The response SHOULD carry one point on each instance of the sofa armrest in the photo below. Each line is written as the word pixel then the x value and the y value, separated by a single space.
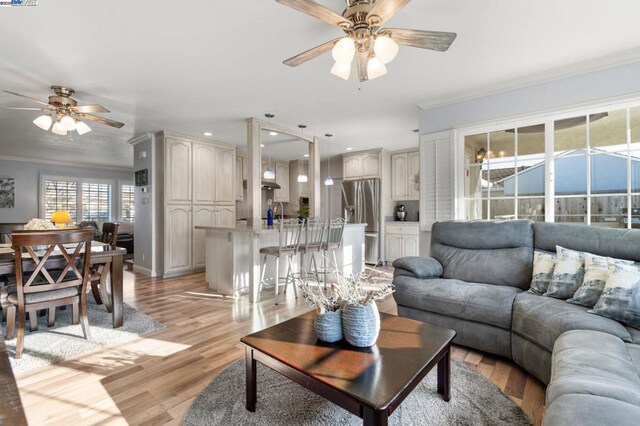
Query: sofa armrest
pixel 420 267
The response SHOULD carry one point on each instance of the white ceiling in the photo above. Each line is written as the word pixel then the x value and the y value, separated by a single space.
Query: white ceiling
pixel 198 66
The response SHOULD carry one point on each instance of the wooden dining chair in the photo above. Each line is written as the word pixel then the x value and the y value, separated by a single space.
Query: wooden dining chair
pixel 6 229
pixel 57 275
pixel 100 272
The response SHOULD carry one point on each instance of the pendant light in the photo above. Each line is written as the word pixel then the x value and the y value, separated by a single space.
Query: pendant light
pixel 269 174
pixel 328 180
pixel 302 176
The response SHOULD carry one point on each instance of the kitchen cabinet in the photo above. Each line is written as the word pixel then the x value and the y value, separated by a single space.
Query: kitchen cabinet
pixel 224 172
pixel 177 171
pixel 282 178
pixel 401 239
pixel 204 173
pixel 297 189
pixel 209 216
pixel 362 165
pixel 177 237
pixel 238 182
pixel 405 174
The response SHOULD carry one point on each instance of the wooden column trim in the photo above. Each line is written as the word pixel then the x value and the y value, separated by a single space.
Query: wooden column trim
pixel 314 178
pixel 254 163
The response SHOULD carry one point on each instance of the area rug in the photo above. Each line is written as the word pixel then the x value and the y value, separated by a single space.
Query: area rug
pixel 474 401
pixel 64 341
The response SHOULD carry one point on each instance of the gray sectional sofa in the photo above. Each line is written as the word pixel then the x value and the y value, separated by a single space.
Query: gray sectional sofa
pixel 476 283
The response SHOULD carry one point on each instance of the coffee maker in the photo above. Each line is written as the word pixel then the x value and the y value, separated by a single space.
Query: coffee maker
pixel 401 212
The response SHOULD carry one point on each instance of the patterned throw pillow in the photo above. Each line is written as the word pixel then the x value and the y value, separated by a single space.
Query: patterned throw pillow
pixel 596 270
pixel 567 275
pixel 543 265
pixel 620 299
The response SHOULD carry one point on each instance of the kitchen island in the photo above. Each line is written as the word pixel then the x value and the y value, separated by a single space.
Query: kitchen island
pixel 233 256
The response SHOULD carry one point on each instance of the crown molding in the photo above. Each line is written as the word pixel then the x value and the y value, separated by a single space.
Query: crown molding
pixel 582 68
pixel 66 163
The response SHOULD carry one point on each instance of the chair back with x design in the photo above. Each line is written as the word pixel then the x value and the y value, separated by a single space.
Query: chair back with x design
pixel 110 233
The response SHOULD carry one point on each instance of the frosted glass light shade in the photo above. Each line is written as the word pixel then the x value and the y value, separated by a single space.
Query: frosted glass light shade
pixel 59 129
pixel 302 178
pixel 375 68
pixel 385 48
pixel 341 70
pixel 44 122
pixel 82 128
pixel 344 50
pixel 269 174
pixel 328 181
pixel 68 123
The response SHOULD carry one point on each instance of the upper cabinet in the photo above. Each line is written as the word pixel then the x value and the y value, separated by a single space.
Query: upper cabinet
pixel 224 173
pixel 204 173
pixel 282 179
pixel 238 182
pixel 405 176
pixel 362 165
pixel 177 175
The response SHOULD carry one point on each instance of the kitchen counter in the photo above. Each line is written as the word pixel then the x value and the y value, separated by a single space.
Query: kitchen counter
pixel 233 256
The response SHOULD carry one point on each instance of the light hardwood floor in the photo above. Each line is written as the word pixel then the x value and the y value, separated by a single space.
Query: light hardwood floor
pixel 154 379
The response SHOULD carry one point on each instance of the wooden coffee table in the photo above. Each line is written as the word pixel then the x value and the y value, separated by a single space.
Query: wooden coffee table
pixel 368 382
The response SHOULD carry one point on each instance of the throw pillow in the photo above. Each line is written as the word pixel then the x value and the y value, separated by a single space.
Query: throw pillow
pixel 567 275
pixel 620 298
pixel 543 265
pixel 596 270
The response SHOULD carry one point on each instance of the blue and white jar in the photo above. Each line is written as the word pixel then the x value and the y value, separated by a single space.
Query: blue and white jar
pixel 361 324
pixel 328 326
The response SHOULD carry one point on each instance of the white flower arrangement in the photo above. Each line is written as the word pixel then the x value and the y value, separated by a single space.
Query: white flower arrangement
pixel 36 224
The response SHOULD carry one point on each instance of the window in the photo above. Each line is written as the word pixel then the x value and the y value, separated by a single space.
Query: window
pixel 594 159
pixel 84 199
pixel 127 194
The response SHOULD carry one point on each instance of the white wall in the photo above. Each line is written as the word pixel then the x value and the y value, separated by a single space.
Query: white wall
pixel 27 183
pixel 144 202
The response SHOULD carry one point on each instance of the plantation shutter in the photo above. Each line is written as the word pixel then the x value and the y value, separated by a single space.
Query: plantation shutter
pixel 436 179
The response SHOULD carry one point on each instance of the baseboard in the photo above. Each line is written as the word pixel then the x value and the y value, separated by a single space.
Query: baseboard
pixel 181 273
pixel 144 271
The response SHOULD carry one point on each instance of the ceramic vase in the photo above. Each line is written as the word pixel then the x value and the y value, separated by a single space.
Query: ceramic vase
pixel 328 326
pixel 361 324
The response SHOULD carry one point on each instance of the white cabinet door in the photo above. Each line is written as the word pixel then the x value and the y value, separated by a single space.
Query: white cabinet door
pixel 177 171
pixel 202 216
pixel 239 179
pixel 225 163
pixel 399 179
pixel 204 179
pixel 413 162
pixel 282 179
pixel 177 239
pixel 352 167
pixel 393 247
pixel 410 245
pixel 226 216
pixel 245 168
pixel 370 165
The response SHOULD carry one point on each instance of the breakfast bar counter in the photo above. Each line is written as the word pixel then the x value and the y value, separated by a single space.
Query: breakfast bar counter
pixel 233 256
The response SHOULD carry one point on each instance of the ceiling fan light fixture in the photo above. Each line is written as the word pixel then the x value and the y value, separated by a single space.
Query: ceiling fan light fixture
pixel 59 129
pixel 375 68
pixel 341 70
pixel 44 122
pixel 82 128
pixel 385 48
pixel 344 50
pixel 68 123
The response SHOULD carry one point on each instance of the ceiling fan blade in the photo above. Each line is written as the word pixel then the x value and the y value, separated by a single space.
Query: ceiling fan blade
pixel 23 109
pixel 90 108
pixel 26 97
pixel 102 120
pixel 310 54
pixel 362 59
pixel 433 40
pixel 385 9
pixel 317 10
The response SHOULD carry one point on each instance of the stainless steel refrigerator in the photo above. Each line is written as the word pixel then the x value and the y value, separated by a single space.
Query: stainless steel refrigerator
pixel 361 204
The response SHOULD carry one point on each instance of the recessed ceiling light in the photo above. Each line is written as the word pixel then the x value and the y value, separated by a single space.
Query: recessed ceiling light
pixel 261 145
pixel 273 133
pixel 349 149
pixel 208 134
pixel 306 156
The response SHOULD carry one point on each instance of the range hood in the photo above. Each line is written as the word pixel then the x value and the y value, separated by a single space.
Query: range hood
pixel 265 184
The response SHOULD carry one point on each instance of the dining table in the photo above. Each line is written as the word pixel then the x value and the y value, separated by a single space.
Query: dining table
pixel 100 253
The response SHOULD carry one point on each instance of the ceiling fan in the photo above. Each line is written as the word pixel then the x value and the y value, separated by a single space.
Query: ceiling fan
pixel 64 112
pixel 372 46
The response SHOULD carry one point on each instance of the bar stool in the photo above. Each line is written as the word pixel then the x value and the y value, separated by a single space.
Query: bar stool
pixel 332 242
pixel 289 232
pixel 314 237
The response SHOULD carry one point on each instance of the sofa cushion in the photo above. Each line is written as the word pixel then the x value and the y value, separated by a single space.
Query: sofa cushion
pixel 618 243
pixel 420 267
pixel 620 298
pixel 543 266
pixel 593 363
pixel 568 274
pixel 596 270
pixel 484 303
pixel 543 319
pixel 590 410
pixel 491 252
